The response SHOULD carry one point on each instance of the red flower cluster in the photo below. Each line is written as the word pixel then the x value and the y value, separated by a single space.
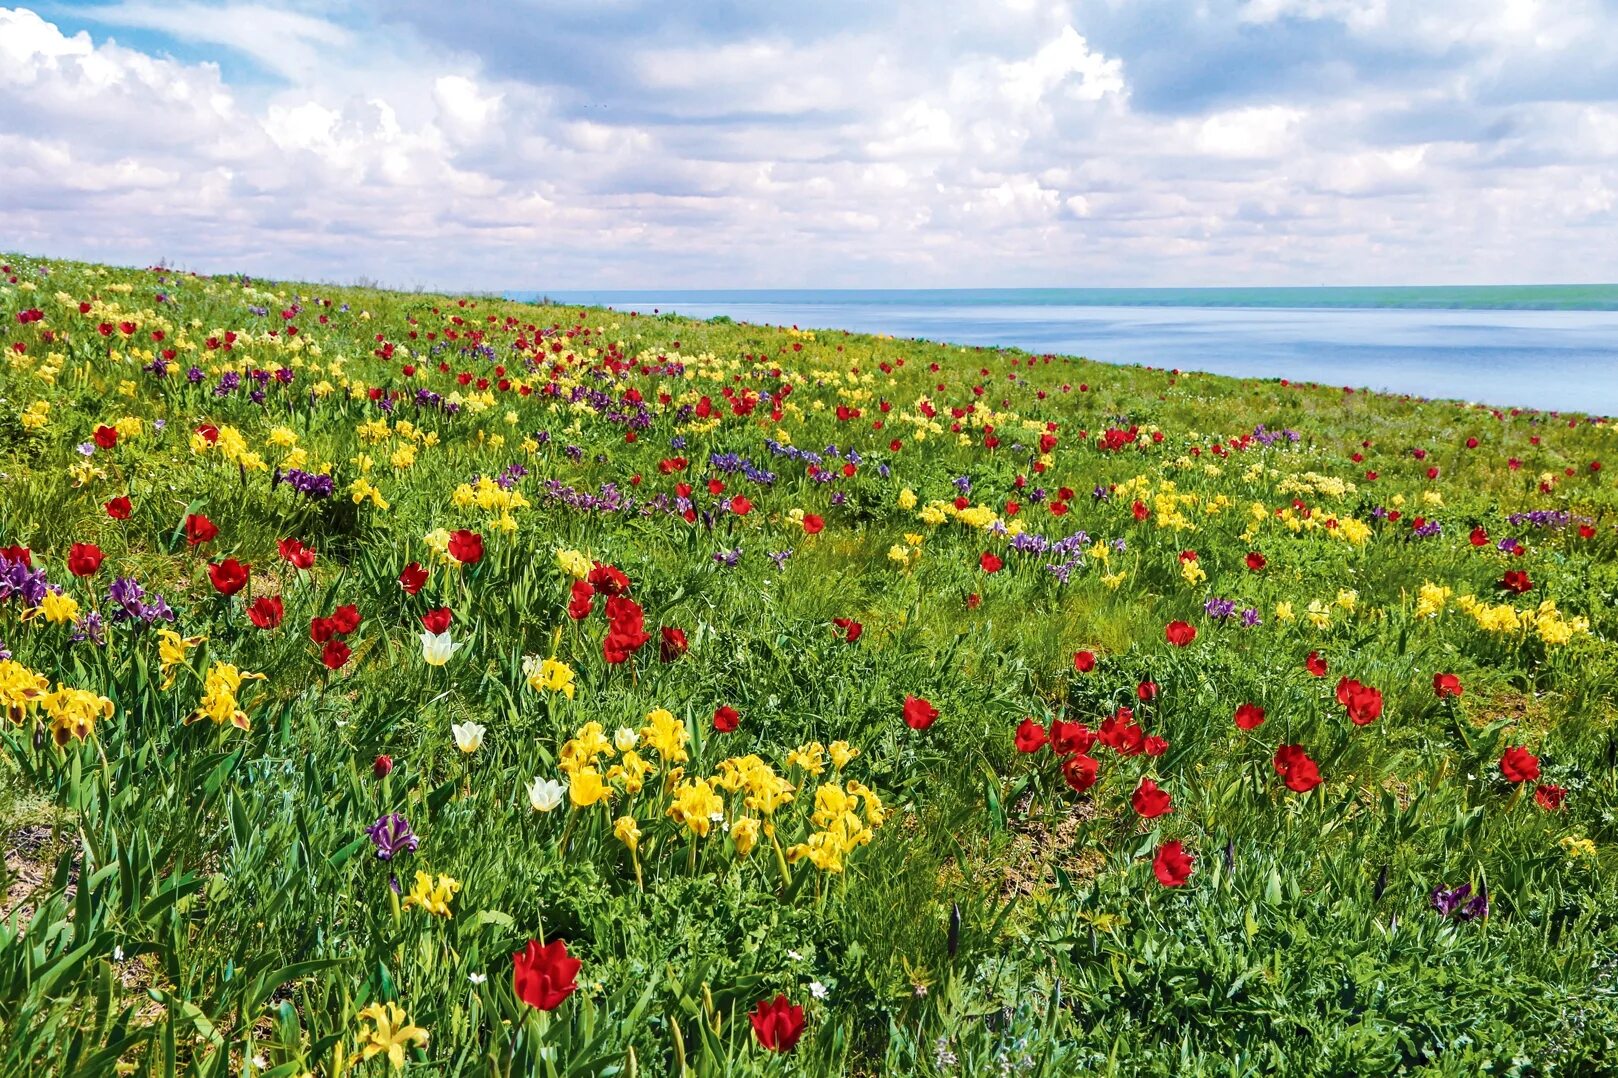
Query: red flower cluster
pixel 1362 702
pixel 328 631
pixel 1297 770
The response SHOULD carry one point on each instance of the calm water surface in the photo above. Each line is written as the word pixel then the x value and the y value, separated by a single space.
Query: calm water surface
pixel 1552 347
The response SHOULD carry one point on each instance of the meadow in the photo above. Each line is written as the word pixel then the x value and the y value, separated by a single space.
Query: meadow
pixel 449 685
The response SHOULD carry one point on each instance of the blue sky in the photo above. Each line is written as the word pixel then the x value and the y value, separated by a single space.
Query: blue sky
pixel 615 143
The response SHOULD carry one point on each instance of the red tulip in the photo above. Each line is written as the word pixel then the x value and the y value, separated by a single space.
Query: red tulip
pixel 1256 561
pixel 199 529
pixel 345 619
pixel 1070 737
pixel 1081 771
pixel 228 576
pixel 1516 581
pixel 293 551
pixel 1030 736
pixel 851 628
pixel 1179 633
pixel 672 645
pixel 1297 770
pixel 266 611
pixel 544 977
pixel 813 524
pixel 1550 797
pixel 609 580
pixel 1120 733
pixel 412 578
pixel 83 559
pixel 1315 664
pixel 382 766
pixel 918 713
pixel 989 563
pixel 581 600
pixel 740 505
pixel 1519 765
pixel 119 508
pixel 1147 691
pixel 726 719
pixel 1249 716
pixel 1149 801
pixel 1363 703
pixel 1172 865
pixel 466 547
pixel 335 654
pixel 1446 685
pixel 106 437
pixel 436 621
pixel 1084 661
pixel 777 1024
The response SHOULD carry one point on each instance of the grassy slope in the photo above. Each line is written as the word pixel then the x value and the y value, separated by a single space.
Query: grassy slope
pixel 1303 941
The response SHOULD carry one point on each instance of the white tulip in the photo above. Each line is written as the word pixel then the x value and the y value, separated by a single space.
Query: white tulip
pixel 625 739
pixel 436 648
pixel 468 736
pixel 545 794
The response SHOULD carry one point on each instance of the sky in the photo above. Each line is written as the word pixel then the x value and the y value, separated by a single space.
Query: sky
pixel 576 144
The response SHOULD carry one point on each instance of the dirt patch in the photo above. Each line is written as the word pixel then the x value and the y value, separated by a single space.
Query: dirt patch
pixel 1042 841
pixel 1525 712
pixel 31 854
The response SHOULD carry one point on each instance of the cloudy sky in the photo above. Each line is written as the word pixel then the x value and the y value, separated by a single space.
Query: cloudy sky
pixel 841 143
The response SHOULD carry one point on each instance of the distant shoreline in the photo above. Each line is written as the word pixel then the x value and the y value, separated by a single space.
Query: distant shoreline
pixel 1578 297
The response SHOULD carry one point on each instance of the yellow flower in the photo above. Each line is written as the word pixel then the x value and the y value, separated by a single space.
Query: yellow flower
pixel 573 563
pixel 696 806
pixel 219 688
pixel 1577 847
pixel 1283 612
pixel 73 712
pixel 1431 599
pixel 907 499
pixel 585 787
pixel 667 735
pixel 841 752
pixel 548 675
pixel 587 743
pixel 432 895
pixel 171 649
pixel 1347 598
pixel 632 769
pixel 58 608
pixel 20 689
pixel 810 757
pixel 744 833
pixel 626 832
pixel 390 1032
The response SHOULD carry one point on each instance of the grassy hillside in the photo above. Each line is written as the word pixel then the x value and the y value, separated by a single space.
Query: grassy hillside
pixel 976 712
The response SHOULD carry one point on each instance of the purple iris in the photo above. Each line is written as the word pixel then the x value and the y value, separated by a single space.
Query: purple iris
pixel 1460 902
pixel 392 836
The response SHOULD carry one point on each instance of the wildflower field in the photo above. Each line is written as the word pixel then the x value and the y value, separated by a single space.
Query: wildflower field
pixel 463 686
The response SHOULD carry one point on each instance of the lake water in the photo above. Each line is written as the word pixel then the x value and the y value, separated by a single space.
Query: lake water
pixel 1553 347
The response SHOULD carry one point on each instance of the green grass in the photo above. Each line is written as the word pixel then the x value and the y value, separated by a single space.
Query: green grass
pixel 212 898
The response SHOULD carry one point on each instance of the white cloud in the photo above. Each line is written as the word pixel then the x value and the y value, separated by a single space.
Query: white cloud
pixel 970 146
